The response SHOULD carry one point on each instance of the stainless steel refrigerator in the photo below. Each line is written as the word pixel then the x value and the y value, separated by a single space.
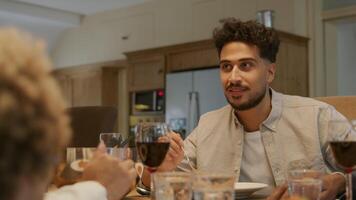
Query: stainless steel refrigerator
pixel 191 94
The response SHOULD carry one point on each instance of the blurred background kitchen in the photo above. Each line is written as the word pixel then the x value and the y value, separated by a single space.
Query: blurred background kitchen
pixel 153 60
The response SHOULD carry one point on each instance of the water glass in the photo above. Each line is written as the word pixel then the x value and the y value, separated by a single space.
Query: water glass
pixel 305 184
pixel 172 186
pixel 115 145
pixel 77 158
pixel 213 186
pixel 79 153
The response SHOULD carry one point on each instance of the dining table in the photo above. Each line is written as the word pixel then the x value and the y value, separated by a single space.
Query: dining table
pixel 133 195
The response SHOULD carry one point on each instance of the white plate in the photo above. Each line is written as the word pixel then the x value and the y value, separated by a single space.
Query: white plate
pixel 245 189
pixel 77 165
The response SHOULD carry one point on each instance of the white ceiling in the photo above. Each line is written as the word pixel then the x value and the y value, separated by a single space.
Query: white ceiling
pixel 84 7
pixel 48 19
pixel 46 30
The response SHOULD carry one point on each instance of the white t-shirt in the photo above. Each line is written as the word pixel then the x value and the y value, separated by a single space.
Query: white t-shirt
pixel 254 165
pixel 86 190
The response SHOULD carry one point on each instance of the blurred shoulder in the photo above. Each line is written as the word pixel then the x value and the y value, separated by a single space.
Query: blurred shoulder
pixel 299 101
pixel 217 114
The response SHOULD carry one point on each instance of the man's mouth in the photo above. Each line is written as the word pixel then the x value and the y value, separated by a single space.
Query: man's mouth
pixel 236 91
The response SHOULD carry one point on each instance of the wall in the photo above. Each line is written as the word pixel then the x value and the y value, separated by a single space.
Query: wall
pixel 346 75
pixel 101 37
pixel 332 4
pixel 330 58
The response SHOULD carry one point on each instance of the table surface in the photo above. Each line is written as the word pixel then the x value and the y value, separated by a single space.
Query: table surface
pixel 133 195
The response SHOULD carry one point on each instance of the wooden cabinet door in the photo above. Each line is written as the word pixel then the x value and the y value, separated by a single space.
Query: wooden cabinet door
pixel 66 86
pixel 146 74
pixel 87 88
pixel 109 86
pixel 195 59
pixel 292 66
pixel 282 62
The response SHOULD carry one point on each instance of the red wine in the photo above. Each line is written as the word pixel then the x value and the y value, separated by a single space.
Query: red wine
pixel 345 153
pixel 152 154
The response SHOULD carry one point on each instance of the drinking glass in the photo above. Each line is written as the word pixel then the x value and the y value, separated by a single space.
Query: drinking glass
pixel 305 184
pixel 344 148
pixel 213 186
pixel 115 145
pixel 173 186
pixel 152 143
pixel 77 158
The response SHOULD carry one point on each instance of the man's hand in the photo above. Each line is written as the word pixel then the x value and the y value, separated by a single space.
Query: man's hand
pixel 281 193
pixel 278 193
pixel 115 175
pixel 332 185
pixel 174 155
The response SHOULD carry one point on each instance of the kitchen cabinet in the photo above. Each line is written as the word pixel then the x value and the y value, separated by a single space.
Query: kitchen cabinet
pixel 190 56
pixel 65 85
pixel 146 72
pixel 292 75
pixel 101 84
pixel 88 86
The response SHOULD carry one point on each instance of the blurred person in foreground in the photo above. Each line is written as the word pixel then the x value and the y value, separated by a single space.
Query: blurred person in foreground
pixel 34 130
pixel 261 133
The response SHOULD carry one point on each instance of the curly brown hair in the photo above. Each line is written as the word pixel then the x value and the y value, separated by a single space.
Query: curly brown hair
pixel 34 126
pixel 250 32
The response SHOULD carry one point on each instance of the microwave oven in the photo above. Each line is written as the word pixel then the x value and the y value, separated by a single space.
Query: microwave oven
pixel 148 102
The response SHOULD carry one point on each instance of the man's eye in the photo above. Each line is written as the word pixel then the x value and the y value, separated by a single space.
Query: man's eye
pixel 226 67
pixel 245 66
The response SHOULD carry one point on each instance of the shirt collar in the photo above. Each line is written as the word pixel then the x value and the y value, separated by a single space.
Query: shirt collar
pixel 276 112
pixel 274 115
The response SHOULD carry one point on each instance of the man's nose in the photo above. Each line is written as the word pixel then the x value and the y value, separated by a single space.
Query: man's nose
pixel 235 75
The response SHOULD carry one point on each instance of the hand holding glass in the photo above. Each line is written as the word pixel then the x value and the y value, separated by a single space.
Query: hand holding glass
pixel 152 143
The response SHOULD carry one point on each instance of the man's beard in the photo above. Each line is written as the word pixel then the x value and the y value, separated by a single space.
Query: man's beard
pixel 250 103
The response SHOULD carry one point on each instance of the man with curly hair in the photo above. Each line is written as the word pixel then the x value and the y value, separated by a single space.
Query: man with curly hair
pixel 34 130
pixel 261 133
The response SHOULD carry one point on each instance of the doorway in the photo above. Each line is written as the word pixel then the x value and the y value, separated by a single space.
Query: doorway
pixel 340 55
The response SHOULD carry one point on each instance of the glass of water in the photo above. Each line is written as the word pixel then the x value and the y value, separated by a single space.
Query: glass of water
pixel 305 184
pixel 115 145
pixel 172 186
pixel 213 186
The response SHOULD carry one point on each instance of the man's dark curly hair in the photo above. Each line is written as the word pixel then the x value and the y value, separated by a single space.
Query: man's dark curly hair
pixel 250 32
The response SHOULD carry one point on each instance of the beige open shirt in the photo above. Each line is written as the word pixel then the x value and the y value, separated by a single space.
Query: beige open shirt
pixel 295 133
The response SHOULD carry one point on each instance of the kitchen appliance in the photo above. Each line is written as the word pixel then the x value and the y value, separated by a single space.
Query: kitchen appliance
pixel 147 102
pixel 191 94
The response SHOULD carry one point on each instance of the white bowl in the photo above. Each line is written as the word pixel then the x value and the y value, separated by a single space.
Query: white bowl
pixel 245 189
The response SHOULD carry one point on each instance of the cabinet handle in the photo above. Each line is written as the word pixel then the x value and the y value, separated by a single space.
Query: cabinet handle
pixel 160 71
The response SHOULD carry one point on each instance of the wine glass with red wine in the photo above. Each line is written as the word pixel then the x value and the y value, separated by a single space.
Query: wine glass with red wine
pixel 344 150
pixel 152 143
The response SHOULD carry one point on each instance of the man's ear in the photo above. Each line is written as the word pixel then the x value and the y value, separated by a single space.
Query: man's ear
pixel 271 70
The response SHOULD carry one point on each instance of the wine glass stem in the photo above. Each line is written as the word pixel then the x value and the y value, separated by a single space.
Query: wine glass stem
pixel 152 190
pixel 349 186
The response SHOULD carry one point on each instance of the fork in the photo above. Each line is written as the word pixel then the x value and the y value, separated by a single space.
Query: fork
pixel 187 158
